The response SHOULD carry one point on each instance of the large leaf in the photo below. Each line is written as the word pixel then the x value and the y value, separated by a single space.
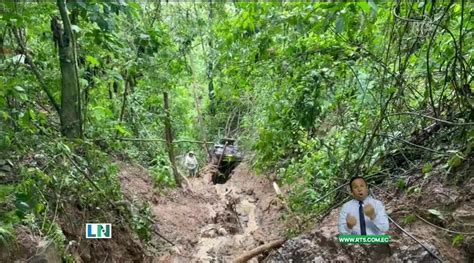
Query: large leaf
pixel 436 213
pixel 340 24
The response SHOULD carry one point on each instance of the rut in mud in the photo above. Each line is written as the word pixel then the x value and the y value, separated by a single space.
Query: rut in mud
pixel 210 222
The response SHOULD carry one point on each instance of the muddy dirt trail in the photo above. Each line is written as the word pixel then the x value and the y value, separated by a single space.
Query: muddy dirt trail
pixel 207 222
pixel 218 223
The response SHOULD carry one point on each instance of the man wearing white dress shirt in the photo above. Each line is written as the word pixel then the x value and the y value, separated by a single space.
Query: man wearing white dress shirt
pixel 191 163
pixel 362 215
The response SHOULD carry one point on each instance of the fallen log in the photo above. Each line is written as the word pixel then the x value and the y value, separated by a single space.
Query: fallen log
pixel 258 250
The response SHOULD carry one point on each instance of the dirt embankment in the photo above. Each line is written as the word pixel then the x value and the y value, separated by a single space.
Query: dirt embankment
pixel 447 206
pixel 206 222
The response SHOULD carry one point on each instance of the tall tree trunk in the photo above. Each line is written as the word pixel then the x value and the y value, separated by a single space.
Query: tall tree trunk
pixel 169 139
pixel 197 102
pixel 210 66
pixel 71 124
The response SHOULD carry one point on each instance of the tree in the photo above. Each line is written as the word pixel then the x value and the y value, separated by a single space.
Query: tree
pixel 169 139
pixel 71 124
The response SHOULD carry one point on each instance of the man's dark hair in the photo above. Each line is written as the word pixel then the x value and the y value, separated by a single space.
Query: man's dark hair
pixel 357 177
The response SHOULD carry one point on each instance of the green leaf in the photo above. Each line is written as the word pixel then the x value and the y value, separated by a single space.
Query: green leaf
pixel 32 114
pixel 392 90
pixel 39 208
pixel 22 206
pixel 364 6
pixel 100 113
pixel 63 148
pixel 455 160
pixel 92 60
pixel 25 120
pixel 457 240
pixel 5 190
pixel 339 24
pixel 76 28
pixel 401 184
pixel 5 234
pixel 19 89
pixel 6 142
pixel 83 82
pixel 427 168
pixel 103 23
pixel 81 3
pixel 134 5
pixel 120 129
pixel 4 115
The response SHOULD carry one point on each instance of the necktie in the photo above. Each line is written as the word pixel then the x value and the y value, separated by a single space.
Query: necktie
pixel 362 219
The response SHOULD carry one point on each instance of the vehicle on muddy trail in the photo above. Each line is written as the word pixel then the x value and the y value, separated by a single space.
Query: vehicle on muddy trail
pixel 226 156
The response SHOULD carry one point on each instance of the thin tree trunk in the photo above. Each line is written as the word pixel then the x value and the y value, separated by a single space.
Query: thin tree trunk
pixel 197 102
pixel 210 67
pixel 124 103
pixel 79 94
pixel 35 70
pixel 71 125
pixel 169 139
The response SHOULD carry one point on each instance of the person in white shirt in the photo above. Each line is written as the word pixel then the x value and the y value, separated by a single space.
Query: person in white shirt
pixel 362 215
pixel 191 163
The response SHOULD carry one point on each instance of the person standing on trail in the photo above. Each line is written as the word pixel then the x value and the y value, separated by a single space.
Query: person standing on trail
pixel 362 215
pixel 191 163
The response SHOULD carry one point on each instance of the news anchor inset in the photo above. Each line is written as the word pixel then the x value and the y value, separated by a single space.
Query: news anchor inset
pixel 363 215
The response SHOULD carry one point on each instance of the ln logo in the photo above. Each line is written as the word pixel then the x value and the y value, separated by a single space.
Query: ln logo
pixel 98 230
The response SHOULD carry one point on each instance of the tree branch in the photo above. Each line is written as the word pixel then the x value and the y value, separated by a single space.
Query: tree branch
pixel 258 250
pixel 160 140
pixel 433 118
pixel 36 72
pixel 442 228
pixel 409 143
pixel 428 72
